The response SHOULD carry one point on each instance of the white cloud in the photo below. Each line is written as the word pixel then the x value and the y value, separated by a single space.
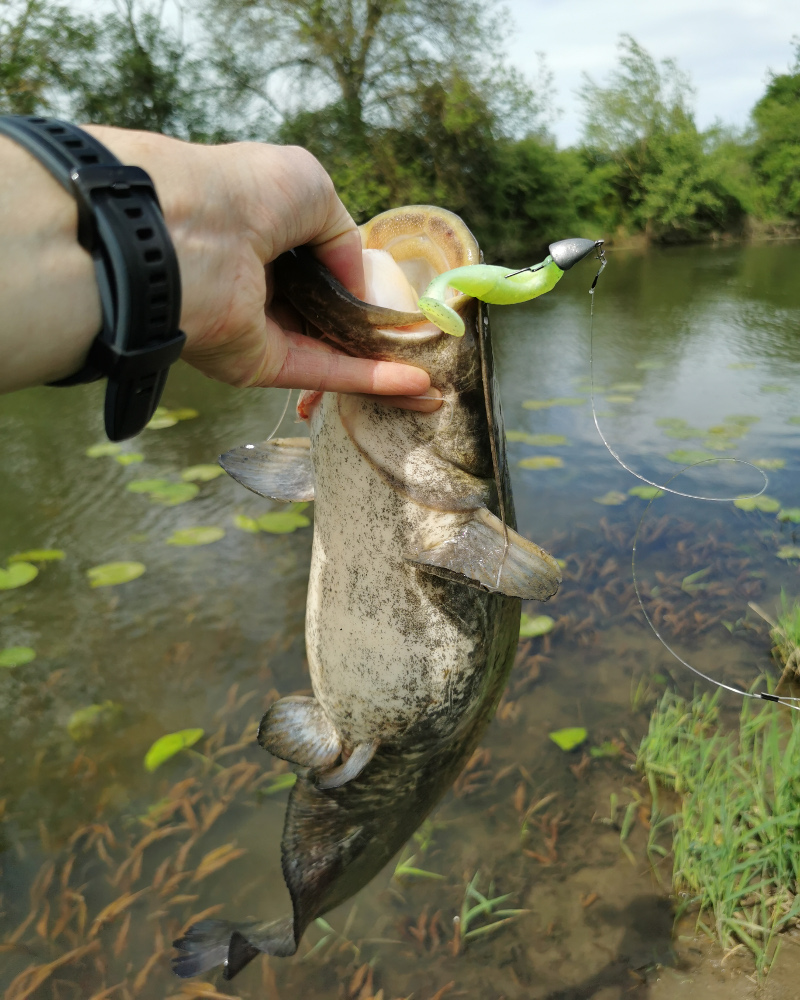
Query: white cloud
pixel 727 48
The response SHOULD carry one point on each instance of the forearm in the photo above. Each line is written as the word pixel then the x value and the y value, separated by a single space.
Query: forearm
pixel 50 303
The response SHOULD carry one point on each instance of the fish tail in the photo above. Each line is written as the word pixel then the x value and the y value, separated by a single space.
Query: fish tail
pixel 221 942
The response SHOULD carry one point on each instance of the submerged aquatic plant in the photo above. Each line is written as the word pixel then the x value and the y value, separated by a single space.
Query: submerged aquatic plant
pixel 476 909
pixel 735 856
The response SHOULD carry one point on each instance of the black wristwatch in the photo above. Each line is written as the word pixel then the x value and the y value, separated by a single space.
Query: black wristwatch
pixel 121 225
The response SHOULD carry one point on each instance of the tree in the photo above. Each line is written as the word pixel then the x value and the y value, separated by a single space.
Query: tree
pixel 372 58
pixel 43 49
pixel 146 77
pixel 776 151
pixel 643 123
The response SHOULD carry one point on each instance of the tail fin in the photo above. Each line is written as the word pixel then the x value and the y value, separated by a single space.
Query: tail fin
pixel 220 942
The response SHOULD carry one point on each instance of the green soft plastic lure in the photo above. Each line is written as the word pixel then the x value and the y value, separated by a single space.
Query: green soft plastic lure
pixel 501 285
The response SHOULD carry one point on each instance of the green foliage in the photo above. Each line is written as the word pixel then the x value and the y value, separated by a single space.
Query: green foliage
pixel 776 150
pixel 43 55
pixel 735 852
pixel 165 747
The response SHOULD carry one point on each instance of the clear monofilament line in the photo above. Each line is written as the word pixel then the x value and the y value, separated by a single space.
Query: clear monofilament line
pixel 787 701
pixel 276 428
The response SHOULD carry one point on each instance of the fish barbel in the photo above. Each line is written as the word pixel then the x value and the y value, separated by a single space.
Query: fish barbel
pixel 416 581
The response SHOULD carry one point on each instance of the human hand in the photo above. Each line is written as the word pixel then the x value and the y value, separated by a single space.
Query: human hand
pixel 231 210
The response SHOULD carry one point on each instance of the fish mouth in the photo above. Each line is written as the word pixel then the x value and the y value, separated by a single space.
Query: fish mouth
pixel 424 241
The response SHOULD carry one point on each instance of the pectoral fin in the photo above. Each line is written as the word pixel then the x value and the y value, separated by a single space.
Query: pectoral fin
pixel 477 552
pixel 280 469
pixel 352 767
pixel 298 730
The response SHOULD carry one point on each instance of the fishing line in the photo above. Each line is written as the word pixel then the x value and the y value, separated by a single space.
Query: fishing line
pixel 787 701
pixel 275 429
pixel 620 461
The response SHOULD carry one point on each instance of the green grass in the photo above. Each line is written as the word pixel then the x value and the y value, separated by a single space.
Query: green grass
pixel 736 836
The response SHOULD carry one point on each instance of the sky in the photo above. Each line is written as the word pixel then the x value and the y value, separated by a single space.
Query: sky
pixel 727 48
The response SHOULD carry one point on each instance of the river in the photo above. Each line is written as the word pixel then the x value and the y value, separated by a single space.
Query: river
pixel 695 349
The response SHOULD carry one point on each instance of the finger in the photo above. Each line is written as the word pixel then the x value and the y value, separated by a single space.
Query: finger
pixel 311 365
pixel 342 257
pixel 427 403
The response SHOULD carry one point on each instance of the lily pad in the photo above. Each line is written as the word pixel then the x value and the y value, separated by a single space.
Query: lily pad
pixel 531 626
pixel 15 656
pixel 646 492
pixel 683 433
pixel 570 738
pixel 130 458
pixel 164 492
pixel 769 505
pixel 688 456
pixel 719 443
pixel 746 419
pixel 283 522
pixel 244 523
pixel 85 722
pixel 110 574
pixel 103 448
pixel 770 463
pixel 618 398
pixel 538 440
pixel 17 575
pixel 788 552
pixel 37 555
pixel 611 499
pixel 544 404
pixel 196 536
pixel 789 514
pixel 165 747
pixel 202 473
pixel 541 462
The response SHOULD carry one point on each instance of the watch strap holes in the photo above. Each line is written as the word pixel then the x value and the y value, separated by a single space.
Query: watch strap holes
pixel 158 278
pixel 145 233
pixel 153 256
pixel 133 213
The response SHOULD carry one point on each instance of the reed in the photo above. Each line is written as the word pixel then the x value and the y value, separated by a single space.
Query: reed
pixel 736 858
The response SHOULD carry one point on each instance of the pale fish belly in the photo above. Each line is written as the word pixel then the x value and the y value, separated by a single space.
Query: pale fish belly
pixel 392 651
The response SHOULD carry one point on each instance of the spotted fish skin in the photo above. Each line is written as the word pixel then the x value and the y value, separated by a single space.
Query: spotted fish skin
pixel 410 637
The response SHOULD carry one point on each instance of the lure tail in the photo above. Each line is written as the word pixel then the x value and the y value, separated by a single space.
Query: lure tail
pixel 220 942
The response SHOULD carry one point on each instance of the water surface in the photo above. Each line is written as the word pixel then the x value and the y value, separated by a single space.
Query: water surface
pixel 207 636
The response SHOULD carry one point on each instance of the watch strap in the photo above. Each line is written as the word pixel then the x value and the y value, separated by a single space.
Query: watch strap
pixel 120 224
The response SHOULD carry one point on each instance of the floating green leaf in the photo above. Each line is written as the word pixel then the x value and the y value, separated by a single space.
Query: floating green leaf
pixel 544 404
pixel 538 440
pixel 684 433
pixel 570 738
pixel 103 448
pixel 769 505
pixel 110 574
pixel 184 413
pixel 164 492
pixel 788 552
pixel 646 492
pixel 130 458
pixel 283 522
pixel 618 398
pixel 165 747
pixel 196 536
pixel 789 514
pixel 769 463
pixel 719 443
pixel 541 462
pixel 531 626
pixel 161 418
pixel 607 749
pixel 202 473
pixel 611 499
pixel 741 366
pixel 85 722
pixel 793 420
pixel 745 419
pixel 15 656
pixel 37 555
pixel 244 523
pixel 650 366
pixel 774 387
pixel 687 456
pixel 17 575
pixel 627 387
